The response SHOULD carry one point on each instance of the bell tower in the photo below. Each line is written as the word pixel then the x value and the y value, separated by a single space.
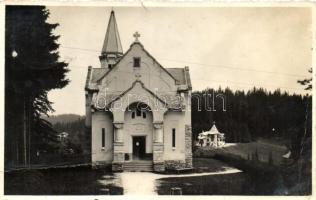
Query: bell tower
pixel 112 48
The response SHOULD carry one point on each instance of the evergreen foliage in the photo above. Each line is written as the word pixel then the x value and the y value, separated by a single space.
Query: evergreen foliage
pixel 255 114
pixel 32 69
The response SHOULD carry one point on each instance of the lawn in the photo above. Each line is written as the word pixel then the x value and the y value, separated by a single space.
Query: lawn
pixel 221 184
pixel 242 183
pixel 246 151
pixel 79 181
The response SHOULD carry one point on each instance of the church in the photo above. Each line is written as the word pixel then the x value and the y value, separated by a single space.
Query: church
pixel 138 112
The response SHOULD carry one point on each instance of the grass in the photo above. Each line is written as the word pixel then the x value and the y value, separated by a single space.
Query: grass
pixel 246 151
pixel 79 181
pixel 243 183
pixel 224 184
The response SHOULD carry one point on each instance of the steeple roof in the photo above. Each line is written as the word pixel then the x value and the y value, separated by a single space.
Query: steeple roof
pixel 214 129
pixel 112 42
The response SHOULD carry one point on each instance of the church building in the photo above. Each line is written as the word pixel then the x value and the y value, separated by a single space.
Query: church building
pixel 138 112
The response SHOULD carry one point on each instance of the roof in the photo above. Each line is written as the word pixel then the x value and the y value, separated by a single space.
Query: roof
pixel 181 75
pixel 97 73
pixel 178 74
pixel 214 130
pixel 171 101
pixel 136 43
pixel 112 42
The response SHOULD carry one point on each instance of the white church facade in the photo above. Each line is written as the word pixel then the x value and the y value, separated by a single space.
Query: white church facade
pixel 136 109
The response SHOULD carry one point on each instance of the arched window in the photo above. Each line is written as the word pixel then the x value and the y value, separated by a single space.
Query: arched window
pixel 138 112
pixel 133 115
pixel 144 115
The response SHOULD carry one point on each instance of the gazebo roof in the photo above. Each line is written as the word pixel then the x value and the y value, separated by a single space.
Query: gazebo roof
pixel 212 131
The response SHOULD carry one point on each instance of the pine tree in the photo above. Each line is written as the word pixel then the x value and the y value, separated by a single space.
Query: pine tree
pixel 307 82
pixel 32 69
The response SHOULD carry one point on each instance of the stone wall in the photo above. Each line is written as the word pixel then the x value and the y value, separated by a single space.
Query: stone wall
pixel 188 146
pixel 159 165
pixel 175 164
pixel 117 167
pixel 101 165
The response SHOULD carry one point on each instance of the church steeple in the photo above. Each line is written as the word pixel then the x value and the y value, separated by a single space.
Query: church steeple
pixel 112 47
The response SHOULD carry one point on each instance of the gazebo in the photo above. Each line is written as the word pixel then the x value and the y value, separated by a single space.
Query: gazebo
pixel 211 138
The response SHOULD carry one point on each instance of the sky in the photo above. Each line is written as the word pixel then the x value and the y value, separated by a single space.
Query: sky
pixel 239 47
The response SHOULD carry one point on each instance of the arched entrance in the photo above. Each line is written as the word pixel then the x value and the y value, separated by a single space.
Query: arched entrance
pixel 138 137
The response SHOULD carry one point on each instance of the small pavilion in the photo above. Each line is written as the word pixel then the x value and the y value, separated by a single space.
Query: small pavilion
pixel 212 138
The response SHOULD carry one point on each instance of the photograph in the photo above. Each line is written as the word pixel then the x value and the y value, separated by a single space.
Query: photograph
pixel 157 100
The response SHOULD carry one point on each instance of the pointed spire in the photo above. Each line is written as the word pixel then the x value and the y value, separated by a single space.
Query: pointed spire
pixel 112 43
pixel 214 129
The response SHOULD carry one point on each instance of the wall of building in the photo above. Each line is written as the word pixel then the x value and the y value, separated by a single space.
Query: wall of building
pixel 102 120
pixel 173 119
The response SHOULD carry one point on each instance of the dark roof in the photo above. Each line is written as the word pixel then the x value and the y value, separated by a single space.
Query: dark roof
pixel 178 74
pixel 97 73
pixel 181 75
pixel 112 42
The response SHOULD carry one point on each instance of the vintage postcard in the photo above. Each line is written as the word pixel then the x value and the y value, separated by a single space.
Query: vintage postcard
pixel 166 99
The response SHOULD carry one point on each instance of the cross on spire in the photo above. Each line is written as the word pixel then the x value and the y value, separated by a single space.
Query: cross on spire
pixel 136 36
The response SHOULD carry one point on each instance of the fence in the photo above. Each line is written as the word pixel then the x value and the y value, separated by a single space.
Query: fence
pixel 52 160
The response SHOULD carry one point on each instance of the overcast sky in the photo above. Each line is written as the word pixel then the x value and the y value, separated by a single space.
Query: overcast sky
pixel 229 47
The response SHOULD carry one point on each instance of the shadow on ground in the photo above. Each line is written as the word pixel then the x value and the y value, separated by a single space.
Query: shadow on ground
pixel 79 181
pixel 223 184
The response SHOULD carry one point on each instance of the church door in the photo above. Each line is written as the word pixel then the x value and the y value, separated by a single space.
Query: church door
pixel 139 146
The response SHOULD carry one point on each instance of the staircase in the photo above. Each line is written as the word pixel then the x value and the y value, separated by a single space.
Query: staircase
pixel 138 166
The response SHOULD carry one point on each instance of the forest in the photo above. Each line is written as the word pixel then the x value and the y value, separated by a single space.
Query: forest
pixel 76 130
pixel 254 114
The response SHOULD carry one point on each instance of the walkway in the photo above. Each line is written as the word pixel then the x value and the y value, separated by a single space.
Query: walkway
pixel 143 183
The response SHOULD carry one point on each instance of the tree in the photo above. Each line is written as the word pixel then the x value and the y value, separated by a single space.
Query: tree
pixel 32 69
pixel 307 82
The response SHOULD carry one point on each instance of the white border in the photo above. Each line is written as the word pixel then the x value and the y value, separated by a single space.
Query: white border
pixel 132 3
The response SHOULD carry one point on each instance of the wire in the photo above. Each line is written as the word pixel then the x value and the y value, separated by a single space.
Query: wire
pixel 232 82
pixel 205 65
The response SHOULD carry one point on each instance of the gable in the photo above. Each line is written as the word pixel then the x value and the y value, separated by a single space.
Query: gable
pixel 147 53
pixel 150 72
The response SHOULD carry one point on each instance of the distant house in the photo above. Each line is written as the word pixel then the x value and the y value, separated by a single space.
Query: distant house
pixel 211 138
pixel 62 136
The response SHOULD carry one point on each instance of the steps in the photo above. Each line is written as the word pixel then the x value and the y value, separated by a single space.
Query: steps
pixel 138 166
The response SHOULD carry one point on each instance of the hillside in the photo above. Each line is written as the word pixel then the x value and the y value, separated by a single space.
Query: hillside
pixel 64 118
